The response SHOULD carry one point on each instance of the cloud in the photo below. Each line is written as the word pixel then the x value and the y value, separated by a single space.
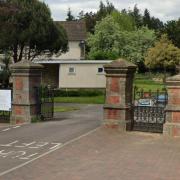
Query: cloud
pixel 163 9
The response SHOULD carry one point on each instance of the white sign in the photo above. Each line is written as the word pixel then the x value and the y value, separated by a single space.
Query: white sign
pixel 5 100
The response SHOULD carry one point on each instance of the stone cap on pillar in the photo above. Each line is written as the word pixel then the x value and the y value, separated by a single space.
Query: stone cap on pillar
pixel 120 66
pixel 25 66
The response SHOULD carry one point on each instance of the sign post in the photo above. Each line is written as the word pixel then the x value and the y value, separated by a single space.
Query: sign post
pixel 5 100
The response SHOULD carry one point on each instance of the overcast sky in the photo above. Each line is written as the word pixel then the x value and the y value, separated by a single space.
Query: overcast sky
pixel 163 9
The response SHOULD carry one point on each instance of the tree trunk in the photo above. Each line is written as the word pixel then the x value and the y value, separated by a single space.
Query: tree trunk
pixel 15 55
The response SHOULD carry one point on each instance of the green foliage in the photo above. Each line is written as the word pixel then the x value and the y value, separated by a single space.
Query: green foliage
pixel 113 39
pixel 147 81
pixel 136 16
pixel 77 93
pixel 30 31
pixel 172 28
pixel 36 119
pixel 81 100
pixel 92 18
pixel 125 22
pixel 70 17
pixel 163 55
pixel 102 55
pixel 64 109
pixel 5 73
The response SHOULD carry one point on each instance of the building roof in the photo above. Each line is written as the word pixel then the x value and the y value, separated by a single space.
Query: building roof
pixel 58 61
pixel 76 30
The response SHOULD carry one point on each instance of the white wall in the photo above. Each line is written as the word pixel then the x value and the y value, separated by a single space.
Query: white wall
pixel 85 76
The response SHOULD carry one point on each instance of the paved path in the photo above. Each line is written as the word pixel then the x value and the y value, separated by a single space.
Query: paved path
pixel 108 155
pixel 20 145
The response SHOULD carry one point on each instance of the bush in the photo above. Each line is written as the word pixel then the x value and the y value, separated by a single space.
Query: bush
pixel 78 93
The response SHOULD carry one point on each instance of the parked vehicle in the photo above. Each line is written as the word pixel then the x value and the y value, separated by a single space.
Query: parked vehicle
pixel 145 102
pixel 162 99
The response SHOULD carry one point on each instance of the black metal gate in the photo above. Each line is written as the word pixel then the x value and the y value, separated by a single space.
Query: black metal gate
pixel 45 97
pixel 149 110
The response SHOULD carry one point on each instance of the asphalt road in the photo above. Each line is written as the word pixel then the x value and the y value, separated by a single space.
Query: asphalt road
pixel 20 145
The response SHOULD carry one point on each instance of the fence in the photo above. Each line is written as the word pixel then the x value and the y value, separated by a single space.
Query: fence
pixel 45 102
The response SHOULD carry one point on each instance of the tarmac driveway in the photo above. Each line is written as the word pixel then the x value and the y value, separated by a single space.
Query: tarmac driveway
pixel 22 144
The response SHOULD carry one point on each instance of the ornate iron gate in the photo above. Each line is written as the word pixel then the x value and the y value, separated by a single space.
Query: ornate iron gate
pixel 45 98
pixel 149 110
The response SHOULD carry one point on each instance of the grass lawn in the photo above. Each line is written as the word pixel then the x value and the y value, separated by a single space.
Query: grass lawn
pixel 141 81
pixel 81 100
pixel 64 109
pixel 148 84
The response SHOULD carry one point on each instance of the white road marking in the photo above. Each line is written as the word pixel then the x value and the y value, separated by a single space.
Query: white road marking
pixel 20 153
pixel 39 145
pixel 28 157
pixel 16 127
pixel 25 144
pixel 8 145
pixel 48 152
pixel 5 154
pixel 56 145
pixel 6 129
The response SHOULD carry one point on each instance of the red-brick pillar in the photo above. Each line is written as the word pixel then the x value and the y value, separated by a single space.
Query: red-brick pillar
pixel 118 111
pixel 172 124
pixel 26 76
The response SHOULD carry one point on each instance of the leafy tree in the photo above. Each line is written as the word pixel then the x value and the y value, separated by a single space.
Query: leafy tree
pixel 163 55
pixel 172 28
pixel 156 24
pixel 5 73
pixel 137 16
pixel 125 21
pixel 30 31
pixel 70 17
pixel 152 22
pixel 104 10
pixel 118 37
pixel 147 18
pixel 91 18
pixel 137 44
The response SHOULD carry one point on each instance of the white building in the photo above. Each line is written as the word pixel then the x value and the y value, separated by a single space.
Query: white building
pixel 75 74
pixel 71 70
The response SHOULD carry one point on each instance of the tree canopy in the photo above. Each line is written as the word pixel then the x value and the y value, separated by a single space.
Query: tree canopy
pixel 70 17
pixel 163 55
pixel 92 18
pixel 172 28
pixel 30 31
pixel 118 37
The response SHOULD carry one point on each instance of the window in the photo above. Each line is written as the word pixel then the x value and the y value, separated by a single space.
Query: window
pixel 71 70
pixel 100 70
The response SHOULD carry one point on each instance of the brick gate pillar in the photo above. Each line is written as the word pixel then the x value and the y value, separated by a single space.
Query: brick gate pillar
pixel 118 112
pixel 172 124
pixel 26 76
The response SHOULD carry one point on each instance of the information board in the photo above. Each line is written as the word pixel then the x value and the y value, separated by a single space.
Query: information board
pixel 5 100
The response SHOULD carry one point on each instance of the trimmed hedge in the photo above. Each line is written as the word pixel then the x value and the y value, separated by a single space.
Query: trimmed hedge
pixel 78 93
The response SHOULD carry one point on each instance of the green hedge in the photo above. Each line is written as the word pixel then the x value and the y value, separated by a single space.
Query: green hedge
pixel 78 93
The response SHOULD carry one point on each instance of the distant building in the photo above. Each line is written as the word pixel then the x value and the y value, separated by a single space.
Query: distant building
pixel 71 70
pixel 76 32
pixel 74 74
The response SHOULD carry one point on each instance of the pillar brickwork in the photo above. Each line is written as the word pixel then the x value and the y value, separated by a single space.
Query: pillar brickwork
pixel 118 109
pixel 172 124
pixel 26 76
